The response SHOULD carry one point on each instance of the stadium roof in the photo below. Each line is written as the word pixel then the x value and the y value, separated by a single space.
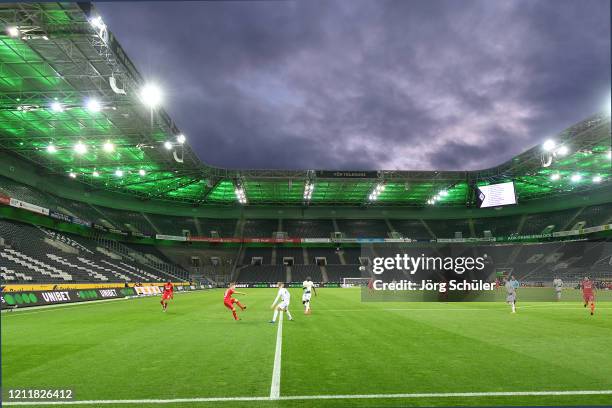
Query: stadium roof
pixel 70 102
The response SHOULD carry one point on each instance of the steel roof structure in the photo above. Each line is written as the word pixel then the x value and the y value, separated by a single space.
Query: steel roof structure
pixel 55 58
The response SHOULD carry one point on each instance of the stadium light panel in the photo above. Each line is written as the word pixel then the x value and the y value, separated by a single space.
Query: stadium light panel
pixel 597 179
pixel 57 107
pixel 562 151
pixel 72 174
pixel 151 95
pixel 549 145
pixel 142 172
pixel 555 176
pixel 308 190
pixel 80 148
pixel 168 145
pixel 95 173
pixel 443 193
pixel 93 105
pixel 180 138
pixel 97 23
pixel 108 147
pixel 51 149
pixel 13 31
pixel 576 178
pixel 119 173
pixel 380 187
pixel 240 195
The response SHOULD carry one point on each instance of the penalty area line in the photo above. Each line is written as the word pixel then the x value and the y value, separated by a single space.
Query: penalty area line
pixel 318 397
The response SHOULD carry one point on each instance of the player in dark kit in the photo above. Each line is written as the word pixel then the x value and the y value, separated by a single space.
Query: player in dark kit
pixel 168 293
pixel 229 301
pixel 587 294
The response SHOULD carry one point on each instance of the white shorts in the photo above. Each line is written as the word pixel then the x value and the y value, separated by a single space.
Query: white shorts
pixel 511 298
pixel 283 305
pixel 306 297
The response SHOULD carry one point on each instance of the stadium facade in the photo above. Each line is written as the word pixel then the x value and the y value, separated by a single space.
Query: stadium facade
pixel 110 190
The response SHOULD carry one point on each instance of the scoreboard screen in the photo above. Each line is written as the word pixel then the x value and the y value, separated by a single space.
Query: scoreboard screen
pixel 496 195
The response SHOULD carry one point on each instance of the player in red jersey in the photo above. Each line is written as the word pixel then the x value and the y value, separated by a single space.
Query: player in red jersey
pixel 587 294
pixel 168 293
pixel 229 301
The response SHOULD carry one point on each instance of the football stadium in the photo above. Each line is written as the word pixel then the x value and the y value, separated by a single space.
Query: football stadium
pixel 136 274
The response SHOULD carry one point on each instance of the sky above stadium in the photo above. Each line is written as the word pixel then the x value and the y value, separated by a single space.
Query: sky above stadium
pixel 356 84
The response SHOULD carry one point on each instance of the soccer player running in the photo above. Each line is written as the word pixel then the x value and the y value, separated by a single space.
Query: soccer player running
pixel 308 287
pixel 167 294
pixel 283 305
pixel 229 301
pixel 511 285
pixel 587 293
pixel 558 285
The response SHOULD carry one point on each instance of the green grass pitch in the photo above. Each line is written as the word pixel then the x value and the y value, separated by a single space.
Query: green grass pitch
pixel 129 349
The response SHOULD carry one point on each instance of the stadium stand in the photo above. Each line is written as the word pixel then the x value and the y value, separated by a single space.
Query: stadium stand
pixel 299 273
pixel 411 229
pixel 335 273
pixel 331 255
pixel 262 273
pixel 257 252
pixel 259 228
pixel 363 228
pixel 41 255
pixel 294 253
pixel 449 228
pixel 308 228
pixel 547 222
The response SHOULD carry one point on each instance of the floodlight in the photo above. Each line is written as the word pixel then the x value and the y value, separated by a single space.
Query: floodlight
pixel 549 145
pixel 180 138
pixel 93 105
pixel 168 145
pixel 80 148
pixel 151 95
pixel 240 195
pixel 142 172
pixel 597 179
pixel 97 22
pixel 576 177
pixel 119 173
pixel 308 189
pixel 13 31
pixel 108 147
pixel 562 151
pixel 57 107
pixel 95 173
pixel 555 176
pixel 443 193
pixel 72 175
pixel 51 149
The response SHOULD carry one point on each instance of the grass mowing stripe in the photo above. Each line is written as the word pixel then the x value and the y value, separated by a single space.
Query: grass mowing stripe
pixel 319 397
pixel 276 371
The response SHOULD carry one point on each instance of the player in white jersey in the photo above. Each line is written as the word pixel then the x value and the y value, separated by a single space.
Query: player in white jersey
pixel 283 305
pixel 308 286
pixel 558 286
pixel 511 285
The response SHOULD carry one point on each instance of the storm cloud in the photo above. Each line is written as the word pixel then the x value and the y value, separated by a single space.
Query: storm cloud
pixel 356 84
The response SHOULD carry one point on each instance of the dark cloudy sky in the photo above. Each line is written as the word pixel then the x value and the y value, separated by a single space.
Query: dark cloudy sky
pixel 370 84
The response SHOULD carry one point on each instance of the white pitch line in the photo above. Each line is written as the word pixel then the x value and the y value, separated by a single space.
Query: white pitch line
pixel 320 397
pixel 276 371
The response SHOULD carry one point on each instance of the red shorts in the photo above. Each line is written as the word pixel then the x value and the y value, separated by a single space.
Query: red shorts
pixel 229 303
pixel 166 296
pixel 588 297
